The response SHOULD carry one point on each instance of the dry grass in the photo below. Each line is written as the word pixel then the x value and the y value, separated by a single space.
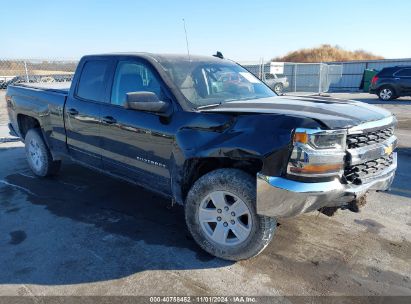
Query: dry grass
pixel 326 53
pixel 41 68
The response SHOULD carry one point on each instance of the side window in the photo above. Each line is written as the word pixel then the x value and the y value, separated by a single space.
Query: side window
pixel 269 76
pixel 92 85
pixel 133 77
pixel 404 72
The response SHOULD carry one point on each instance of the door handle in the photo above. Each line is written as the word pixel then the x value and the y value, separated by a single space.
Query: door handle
pixel 109 120
pixel 397 78
pixel 72 112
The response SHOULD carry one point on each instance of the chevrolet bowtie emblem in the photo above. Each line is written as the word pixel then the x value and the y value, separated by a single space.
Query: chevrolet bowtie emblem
pixel 388 150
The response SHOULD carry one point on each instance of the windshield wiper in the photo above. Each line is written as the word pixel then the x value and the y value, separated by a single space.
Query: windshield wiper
pixel 209 106
pixel 247 98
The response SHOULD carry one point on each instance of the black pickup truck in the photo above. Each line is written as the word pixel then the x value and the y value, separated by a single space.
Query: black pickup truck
pixel 235 154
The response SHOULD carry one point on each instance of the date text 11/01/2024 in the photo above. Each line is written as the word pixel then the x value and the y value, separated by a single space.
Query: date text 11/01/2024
pixel 203 299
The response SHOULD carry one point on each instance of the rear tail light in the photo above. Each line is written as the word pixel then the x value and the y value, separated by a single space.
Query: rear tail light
pixel 374 80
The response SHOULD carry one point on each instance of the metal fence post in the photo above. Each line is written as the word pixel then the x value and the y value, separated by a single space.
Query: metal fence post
pixel 27 73
pixel 319 78
pixel 262 68
pixel 295 77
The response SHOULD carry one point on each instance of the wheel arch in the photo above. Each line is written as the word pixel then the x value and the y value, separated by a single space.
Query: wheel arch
pixel 390 86
pixel 195 168
pixel 25 123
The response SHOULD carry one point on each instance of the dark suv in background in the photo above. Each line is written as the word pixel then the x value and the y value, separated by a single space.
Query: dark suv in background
pixel 392 82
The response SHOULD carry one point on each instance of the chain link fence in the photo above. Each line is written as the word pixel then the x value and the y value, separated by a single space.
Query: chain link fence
pixel 15 71
pixel 286 77
pixel 281 77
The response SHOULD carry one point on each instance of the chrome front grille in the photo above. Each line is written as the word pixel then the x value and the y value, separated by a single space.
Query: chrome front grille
pixel 358 174
pixel 355 141
pixel 370 149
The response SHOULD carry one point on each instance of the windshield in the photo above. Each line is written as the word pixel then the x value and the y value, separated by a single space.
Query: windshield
pixel 208 83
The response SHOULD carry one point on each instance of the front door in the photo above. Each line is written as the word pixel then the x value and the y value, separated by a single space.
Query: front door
pixel 403 80
pixel 136 144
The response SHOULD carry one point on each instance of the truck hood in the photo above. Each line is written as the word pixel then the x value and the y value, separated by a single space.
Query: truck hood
pixel 333 113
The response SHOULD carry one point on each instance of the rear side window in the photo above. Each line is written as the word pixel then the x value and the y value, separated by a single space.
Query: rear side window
pixel 404 72
pixel 387 72
pixel 92 80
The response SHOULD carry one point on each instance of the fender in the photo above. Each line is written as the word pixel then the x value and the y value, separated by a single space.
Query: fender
pixel 265 138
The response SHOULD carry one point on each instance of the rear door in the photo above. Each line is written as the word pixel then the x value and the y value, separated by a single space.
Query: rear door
pixel 135 144
pixel 403 80
pixel 83 110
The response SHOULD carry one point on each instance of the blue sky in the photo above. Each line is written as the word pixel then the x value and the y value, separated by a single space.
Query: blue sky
pixel 242 30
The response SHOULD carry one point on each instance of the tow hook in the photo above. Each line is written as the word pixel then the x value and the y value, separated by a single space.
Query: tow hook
pixel 353 206
pixel 328 211
pixel 356 204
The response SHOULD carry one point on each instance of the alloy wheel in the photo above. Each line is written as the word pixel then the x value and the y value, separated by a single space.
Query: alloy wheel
pixel 278 89
pixel 225 218
pixel 386 94
pixel 35 154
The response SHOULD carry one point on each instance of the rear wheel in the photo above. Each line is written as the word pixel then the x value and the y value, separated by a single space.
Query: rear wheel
pixel 38 155
pixel 386 93
pixel 221 215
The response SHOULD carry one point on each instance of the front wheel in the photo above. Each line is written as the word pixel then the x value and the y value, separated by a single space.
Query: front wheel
pixel 221 215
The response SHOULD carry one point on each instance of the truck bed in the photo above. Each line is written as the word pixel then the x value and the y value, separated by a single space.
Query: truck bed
pixel 45 103
pixel 57 87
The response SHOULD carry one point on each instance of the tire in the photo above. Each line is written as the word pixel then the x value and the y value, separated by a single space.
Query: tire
pixel 217 195
pixel 278 88
pixel 386 93
pixel 38 155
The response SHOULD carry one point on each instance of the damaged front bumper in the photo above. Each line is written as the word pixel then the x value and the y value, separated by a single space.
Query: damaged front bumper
pixel 280 197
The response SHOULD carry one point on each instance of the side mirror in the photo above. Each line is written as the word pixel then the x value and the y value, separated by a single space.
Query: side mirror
pixel 145 101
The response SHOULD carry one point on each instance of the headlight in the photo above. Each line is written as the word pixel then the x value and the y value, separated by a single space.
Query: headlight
pixel 321 139
pixel 317 153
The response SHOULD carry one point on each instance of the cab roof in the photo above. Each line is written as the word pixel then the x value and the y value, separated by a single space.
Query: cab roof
pixel 162 57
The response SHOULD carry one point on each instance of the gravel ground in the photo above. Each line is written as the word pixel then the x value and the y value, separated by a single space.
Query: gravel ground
pixel 83 233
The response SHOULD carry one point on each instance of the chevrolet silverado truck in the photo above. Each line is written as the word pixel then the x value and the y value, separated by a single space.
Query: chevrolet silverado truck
pixel 237 157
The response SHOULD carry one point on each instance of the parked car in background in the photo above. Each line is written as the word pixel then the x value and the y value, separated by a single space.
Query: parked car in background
pixel 392 82
pixel 277 84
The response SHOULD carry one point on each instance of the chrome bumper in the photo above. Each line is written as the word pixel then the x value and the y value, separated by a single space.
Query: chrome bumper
pixel 279 197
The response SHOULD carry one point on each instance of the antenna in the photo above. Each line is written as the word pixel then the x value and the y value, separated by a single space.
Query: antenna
pixel 185 31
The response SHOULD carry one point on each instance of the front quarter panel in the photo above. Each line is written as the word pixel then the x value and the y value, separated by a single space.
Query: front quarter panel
pixel 263 137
